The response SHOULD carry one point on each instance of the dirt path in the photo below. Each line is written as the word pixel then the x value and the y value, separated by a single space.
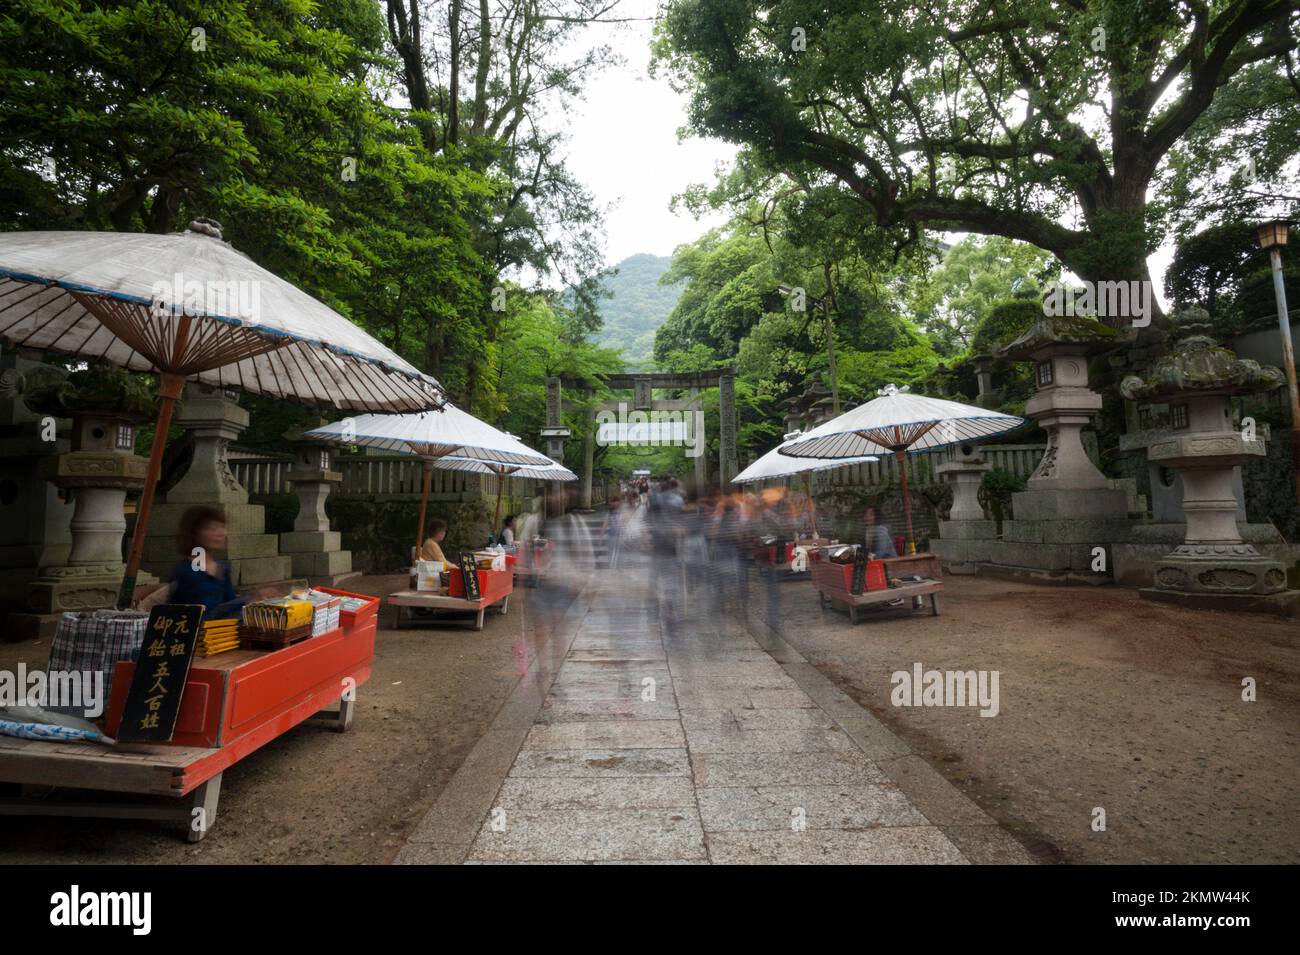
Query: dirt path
pixel 314 795
pixel 1107 701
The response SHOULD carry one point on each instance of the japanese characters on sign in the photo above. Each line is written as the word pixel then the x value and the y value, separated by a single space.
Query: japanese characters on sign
pixel 469 570
pixel 154 700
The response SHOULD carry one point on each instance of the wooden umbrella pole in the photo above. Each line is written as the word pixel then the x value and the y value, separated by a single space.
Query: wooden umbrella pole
pixel 496 518
pixel 169 387
pixel 812 511
pixel 908 546
pixel 424 505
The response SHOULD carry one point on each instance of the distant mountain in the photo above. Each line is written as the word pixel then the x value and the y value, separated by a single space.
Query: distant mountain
pixel 638 306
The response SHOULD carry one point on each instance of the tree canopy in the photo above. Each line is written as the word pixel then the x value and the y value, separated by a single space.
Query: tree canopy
pixel 1034 120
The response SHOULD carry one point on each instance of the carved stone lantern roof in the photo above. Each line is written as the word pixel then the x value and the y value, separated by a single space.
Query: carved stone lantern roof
pixel 1200 366
pixel 1087 334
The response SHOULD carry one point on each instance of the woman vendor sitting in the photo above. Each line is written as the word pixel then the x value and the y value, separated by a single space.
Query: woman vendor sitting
pixel 199 577
pixel 431 549
pixel 508 531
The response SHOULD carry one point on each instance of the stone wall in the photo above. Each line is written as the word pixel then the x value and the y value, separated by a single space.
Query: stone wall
pixel 839 512
pixel 380 533
pixel 1269 483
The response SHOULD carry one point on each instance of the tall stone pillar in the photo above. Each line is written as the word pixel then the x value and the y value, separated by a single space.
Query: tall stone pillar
pixel 701 474
pixel 588 454
pixel 316 551
pixel 727 464
pixel 555 434
pixel 214 420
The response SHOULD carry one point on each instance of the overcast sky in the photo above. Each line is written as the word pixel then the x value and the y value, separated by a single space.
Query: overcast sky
pixel 623 145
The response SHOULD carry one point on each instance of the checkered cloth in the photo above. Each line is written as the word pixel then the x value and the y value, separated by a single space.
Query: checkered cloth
pixel 97 641
pixel 124 632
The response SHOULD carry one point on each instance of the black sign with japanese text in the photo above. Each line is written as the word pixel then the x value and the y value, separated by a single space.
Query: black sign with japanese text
pixel 154 700
pixel 859 571
pixel 469 570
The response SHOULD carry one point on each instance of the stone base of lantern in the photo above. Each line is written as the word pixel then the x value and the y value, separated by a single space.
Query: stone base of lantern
pixel 963 545
pixel 1055 535
pixel 318 556
pixel 1219 569
pixel 1284 603
pixel 1136 561
pixel 61 590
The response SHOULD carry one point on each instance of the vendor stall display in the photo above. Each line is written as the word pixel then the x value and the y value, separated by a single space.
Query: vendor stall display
pixel 899 422
pixel 775 466
pixel 218 636
pixel 846 574
pixel 232 704
pixel 492 583
pixel 553 471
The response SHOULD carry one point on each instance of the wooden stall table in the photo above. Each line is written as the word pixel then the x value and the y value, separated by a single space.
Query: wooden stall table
pixel 495 586
pixel 769 561
pixel 921 565
pixel 234 704
pixel 833 584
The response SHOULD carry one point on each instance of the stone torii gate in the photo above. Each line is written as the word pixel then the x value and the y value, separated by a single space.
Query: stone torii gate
pixel 642 385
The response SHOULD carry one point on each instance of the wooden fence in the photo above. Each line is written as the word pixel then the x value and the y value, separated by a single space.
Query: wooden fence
pixel 388 477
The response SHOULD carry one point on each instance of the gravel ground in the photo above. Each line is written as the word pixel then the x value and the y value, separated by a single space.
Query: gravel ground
pixel 1106 700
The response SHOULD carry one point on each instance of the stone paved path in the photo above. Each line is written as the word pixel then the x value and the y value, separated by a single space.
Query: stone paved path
pixel 693 744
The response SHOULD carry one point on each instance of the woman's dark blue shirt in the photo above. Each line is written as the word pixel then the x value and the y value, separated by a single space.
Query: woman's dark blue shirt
pixel 217 593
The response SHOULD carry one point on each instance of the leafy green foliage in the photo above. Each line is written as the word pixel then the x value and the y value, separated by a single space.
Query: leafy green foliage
pixel 1003 323
pixel 1223 270
pixel 1037 121
pixel 637 305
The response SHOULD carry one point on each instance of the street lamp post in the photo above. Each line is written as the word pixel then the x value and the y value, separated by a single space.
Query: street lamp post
pixel 1272 237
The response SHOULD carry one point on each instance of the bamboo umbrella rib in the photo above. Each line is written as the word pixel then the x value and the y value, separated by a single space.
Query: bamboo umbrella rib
pixel 306 370
pixel 339 374
pixel 402 397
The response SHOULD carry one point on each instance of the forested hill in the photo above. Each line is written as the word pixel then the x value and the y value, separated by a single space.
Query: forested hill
pixel 638 305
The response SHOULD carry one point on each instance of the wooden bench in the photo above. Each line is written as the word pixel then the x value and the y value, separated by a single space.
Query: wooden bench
pixel 407 600
pixel 932 588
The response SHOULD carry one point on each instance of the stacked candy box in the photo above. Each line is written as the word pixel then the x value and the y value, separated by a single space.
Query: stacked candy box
pixel 218 636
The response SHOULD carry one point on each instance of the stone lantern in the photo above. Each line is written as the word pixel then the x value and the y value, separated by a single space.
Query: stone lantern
pixel 1213 565
pixel 97 474
pixel 964 538
pixel 1068 509
pixel 316 550
pixel 99 471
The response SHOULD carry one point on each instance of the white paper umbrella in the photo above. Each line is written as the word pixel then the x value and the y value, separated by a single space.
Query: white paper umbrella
pixel 774 465
pixel 190 306
pixel 899 422
pixel 433 435
pixel 554 472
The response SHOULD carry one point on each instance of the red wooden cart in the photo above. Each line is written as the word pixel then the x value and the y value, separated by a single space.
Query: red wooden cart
pixel 234 703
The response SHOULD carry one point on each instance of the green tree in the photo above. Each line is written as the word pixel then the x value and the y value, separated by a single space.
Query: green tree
pixel 1034 120
pixel 975 274
pixel 131 115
